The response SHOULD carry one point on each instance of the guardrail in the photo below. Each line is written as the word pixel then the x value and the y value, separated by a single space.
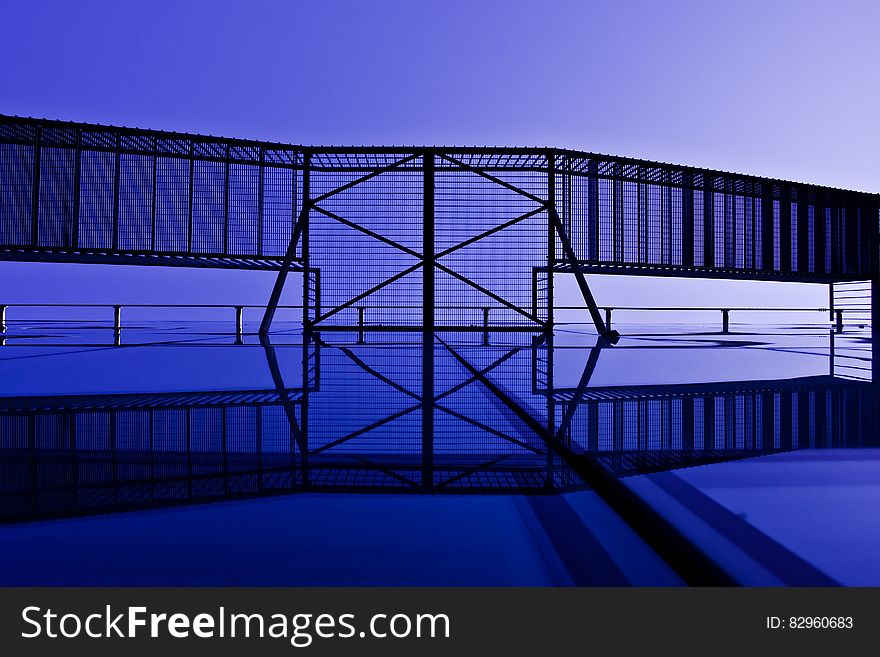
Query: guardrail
pixel 238 310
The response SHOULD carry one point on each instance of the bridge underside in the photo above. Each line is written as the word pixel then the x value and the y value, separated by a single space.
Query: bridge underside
pixel 84 256
pixel 413 237
pixel 677 271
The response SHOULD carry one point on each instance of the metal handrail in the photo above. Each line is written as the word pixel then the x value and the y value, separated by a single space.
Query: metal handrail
pixel 240 308
pixel 401 306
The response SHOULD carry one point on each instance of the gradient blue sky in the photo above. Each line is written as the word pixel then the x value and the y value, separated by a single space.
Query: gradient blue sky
pixel 783 89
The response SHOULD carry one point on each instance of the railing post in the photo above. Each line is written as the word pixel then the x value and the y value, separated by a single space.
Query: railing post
pixel 838 327
pixel 2 319
pixel 485 326
pixel 117 326
pixel 725 320
pixel 608 318
pixel 361 310
pixel 239 322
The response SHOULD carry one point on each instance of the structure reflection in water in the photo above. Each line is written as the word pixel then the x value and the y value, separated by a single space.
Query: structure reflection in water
pixel 400 413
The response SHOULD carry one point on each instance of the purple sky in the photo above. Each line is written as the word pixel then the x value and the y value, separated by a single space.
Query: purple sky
pixel 783 89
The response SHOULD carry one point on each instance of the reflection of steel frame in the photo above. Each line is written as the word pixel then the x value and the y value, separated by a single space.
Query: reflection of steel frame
pixel 434 415
pixel 320 436
pixel 633 423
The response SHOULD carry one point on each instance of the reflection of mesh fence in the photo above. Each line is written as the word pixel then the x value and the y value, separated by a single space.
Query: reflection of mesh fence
pixel 371 406
pixel 722 423
pixel 852 323
pixel 365 429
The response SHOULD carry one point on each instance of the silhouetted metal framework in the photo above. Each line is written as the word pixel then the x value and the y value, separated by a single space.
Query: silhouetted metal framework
pixel 403 237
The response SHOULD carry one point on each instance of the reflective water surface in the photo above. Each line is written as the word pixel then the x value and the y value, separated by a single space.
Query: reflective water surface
pixel 192 457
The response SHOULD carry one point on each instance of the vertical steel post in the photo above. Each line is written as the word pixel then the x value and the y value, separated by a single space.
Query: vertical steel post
pixel 226 203
pixel 687 221
pixel 2 319
pixel 485 326
pixel 428 320
pixel 708 221
pixel 239 321
pixel 592 210
pixel 428 244
pixel 725 321
pixel 766 227
pixel 551 411
pixel 117 325
pixel 307 344
pixel 642 214
pixel 803 230
pixel 535 291
pixel 617 213
pixel 819 235
pixel 155 188
pixel 830 353
pixel 192 167
pixel 77 173
pixel 35 199
pixel 311 281
pixel 300 228
pixel 551 238
pixel 831 301
pixel 785 229
pixel 608 318
pixel 361 310
pixel 114 237
pixel 260 213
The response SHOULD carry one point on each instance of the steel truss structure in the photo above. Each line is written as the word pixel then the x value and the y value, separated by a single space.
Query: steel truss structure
pixel 398 238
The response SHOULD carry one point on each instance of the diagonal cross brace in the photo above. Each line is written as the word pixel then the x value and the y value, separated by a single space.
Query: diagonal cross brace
pixel 610 335
pixel 300 225
pixel 278 287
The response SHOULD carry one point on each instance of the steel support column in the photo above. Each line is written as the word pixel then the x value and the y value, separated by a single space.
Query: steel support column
pixel 803 231
pixel 785 251
pixel 766 229
pixel 300 226
pixel 428 320
pixel 687 221
pixel 571 257
pixel 708 224
pixel 35 200
pixel 819 234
